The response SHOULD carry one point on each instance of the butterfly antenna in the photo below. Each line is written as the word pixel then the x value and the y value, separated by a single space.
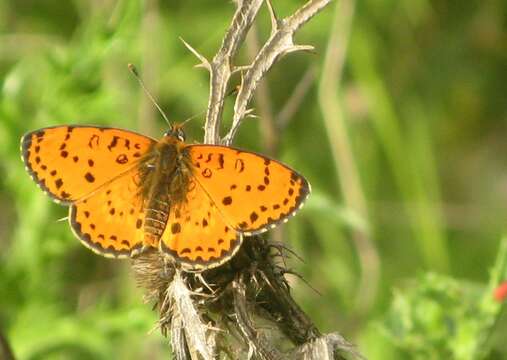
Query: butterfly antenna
pixel 192 117
pixel 232 92
pixel 133 70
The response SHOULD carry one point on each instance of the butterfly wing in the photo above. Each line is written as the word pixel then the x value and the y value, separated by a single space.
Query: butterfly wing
pixel 110 220
pixel 68 162
pixel 196 234
pixel 254 193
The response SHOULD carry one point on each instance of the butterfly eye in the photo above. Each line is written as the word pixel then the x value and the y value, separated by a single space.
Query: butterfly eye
pixel 180 134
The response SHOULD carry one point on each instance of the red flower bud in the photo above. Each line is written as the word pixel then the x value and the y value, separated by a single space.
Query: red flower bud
pixel 500 292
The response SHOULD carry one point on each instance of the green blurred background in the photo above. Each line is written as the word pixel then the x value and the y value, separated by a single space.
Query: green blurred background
pixel 404 145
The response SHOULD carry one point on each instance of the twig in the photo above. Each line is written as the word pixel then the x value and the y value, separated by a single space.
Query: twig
pixel 327 347
pixel 263 99
pixel 196 335
pixel 221 67
pixel 281 42
pixel 258 344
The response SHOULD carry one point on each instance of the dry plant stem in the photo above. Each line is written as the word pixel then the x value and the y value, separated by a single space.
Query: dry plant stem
pixel 281 42
pixel 221 66
pixel 294 322
pixel 178 340
pixel 326 347
pixel 195 335
pixel 257 342
pixel 342 152
pixel 266 118
pixel 263 99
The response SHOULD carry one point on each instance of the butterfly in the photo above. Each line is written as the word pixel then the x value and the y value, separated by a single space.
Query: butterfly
pixel 128 192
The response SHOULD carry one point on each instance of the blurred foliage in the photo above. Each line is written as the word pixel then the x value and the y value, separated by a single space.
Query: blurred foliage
pixel 442 318
pixel 423 95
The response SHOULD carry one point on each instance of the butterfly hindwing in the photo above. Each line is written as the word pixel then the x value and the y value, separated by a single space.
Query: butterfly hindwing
pixel 68 162
pixel 110 220
pixel 197 234
pixel 253 192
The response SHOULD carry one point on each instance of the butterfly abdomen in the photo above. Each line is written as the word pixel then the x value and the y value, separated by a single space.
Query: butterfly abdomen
pixel 164 183
pixel 156 215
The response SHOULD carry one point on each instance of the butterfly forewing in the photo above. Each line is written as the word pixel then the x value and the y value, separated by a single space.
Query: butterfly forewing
pixel 69 162
pixel 252 192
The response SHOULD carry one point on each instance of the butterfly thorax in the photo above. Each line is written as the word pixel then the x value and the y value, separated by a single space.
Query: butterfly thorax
pixel 164 181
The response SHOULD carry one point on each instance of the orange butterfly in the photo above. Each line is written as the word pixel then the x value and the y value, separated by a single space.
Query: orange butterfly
pixel 128 192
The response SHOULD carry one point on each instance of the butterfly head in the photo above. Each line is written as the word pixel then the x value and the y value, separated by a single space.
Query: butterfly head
pixel 176 130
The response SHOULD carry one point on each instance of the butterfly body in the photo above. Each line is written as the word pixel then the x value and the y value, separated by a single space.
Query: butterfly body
pixel 128 192
pixel 164 177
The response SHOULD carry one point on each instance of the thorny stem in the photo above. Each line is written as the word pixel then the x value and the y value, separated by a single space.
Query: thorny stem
pixel 221 67
pixel 281 42
pixel 263 99
pixel 258 343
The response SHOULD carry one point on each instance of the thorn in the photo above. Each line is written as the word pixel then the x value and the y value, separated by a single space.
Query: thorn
pixel 201 279
pixel 241 69
pixel 204 62
pixel 248 112
pixel 291 272
pixel 272 15
pixel 308 48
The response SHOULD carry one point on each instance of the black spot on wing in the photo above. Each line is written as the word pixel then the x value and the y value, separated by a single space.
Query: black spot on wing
pixel 175 228
pixel 239 165
pixel 207 173
pixel 94 141
pixel 58 183
pixel 122 159
pixel 89 177
pixel 113 143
